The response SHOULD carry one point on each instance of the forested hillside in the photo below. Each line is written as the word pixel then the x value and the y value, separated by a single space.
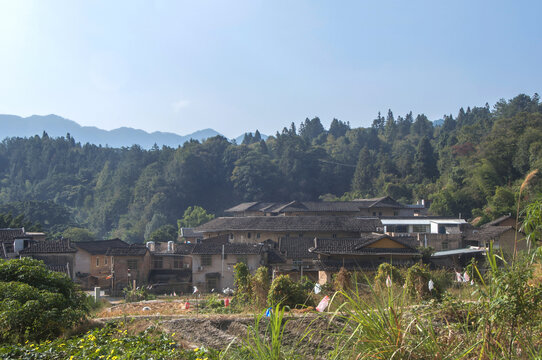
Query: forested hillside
pixel 473 164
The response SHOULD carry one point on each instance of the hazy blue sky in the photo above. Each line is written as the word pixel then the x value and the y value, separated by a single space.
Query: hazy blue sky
pixel 236 66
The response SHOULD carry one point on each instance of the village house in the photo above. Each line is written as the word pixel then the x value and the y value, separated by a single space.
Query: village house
pixel 92 265
pixel 171 267
pixel 364 253
pixel 189 235
pixel 383 206
pixel 257 229
pixel 291 256
pixel 57 255
pixel 213 262
pixel 12 241
pixel 127 264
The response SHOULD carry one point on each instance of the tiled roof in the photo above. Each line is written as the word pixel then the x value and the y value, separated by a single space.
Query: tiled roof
pixel 131 250
pixel 100 247
pixel 293 223
pixel 359 246
pixel 11 234
pixel 497 221
pixel 275 257
pixel 189 232
pixel 316 206
pixel 487 233
pixel 61 246
pixel 184 249
pixel 205 248
pixel 233 249
pixel 58 268
pixel 297 248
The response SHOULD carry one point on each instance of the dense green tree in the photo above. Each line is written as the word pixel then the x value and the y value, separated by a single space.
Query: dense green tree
pixel 194 216
pixel 78 234
pixel 425 161
pixel 364 174
pixel 164 233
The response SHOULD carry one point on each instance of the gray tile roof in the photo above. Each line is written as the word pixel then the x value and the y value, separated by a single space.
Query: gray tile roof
pixel 131 250
pixel 11 234
pixel 359 246
pixel 212 248
pixel 297 248
pixel 189 232
pixel 100 247
pixel 487 233
pixel 316 206
pixel 61 246
pixel 497 221
pixel 293 223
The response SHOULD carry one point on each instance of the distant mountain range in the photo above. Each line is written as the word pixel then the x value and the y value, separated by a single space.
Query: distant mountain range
pixel 55 126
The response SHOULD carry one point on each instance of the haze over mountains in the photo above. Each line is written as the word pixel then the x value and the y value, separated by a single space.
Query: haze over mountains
pixel 55 126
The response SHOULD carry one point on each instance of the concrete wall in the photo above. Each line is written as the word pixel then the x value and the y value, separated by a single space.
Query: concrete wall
pixel 260 236
pixel 199 276
pixel 441 242
pixel 82 262
pixel 120 267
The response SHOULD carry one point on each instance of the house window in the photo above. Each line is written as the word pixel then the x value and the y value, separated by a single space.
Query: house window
pixel 132 264
pixel 97 261
pixel 374 213
pixel 380 213
pixel 444 245
pixel 300 235
pixel 257 235
pixel 206 260
pixel 212 283
pixel 177 263
pixel 242 259
pixel 334 236
pixel 105 261
pixel 248 235
pixel 395 213
pixel 231 236
pixel 157 262
pixel 419 228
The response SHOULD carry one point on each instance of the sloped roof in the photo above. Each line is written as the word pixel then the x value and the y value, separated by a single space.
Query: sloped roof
pixel 131 250
pixel 487 233
pixel 316 206
pixel 297 248
pixel 11 234
pixel 359 246
pixel 229 249
pixel 189 232
pixel 497 221
pixel 292 223
pixel 100 247
pixel 213 248
pixel 61 246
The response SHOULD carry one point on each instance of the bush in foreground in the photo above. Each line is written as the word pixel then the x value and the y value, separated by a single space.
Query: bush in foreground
pixel 36 303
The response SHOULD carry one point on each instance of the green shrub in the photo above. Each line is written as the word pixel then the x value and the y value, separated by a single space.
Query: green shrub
pixel 242 284
pixel 37 303
pixel 417 282
pixel 385 270
pixel 260 286
pixel 137 294
pixel 286 292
